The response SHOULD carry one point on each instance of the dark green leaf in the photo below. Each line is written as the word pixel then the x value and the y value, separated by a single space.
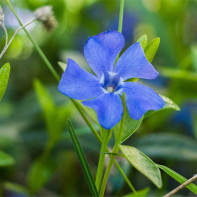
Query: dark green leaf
pixel 143 41
pixel 5 159
pixel 4 76
pixel 169 104
pixel 83 160
pixel 151 49
pixel 141 193
pixel 142 163
pixel 192 187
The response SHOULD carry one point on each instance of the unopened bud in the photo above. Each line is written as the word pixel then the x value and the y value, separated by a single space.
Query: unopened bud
pixel 45 16
pixel 1 15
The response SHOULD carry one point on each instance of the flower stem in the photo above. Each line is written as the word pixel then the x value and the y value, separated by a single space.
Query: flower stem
pixel 35 44
pixel 121 16
pixel 115 150
pixel 101 163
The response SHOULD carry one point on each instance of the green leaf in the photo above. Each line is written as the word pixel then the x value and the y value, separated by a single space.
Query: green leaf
pixel 4 76
pixel 169 104
pixel 6 160
pixel 130 126
pixel 194 56
pixel 143 41
pixel 141 193
pixel 168 146
pixel 151 49
pixel 142 163
pixel 62 65
pixel 192 187
pixel 83 160
pixel 16 188
pixel 40 172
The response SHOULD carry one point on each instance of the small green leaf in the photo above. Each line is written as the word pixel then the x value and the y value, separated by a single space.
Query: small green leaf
pixel 192 187
pixel 142 163
pixel 62 65
pixel 16 188
pixel 5 159
pixel 143 41
pixel 4 76
pixel 169 104
pixel 130 126
pixel 141 193
pixel 151 49
pixel 83 160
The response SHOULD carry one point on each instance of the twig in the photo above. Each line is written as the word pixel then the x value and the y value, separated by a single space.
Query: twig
pixel 8 44
pixel 181 186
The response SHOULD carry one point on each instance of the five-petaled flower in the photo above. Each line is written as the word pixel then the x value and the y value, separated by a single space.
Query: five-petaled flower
pixel 102 92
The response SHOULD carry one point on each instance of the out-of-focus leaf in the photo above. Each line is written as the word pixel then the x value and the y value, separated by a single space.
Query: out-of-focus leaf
pixel 169 104
pixel 4 76
pixel 62 65
pixel 141 193
pixel 16 188
pixel 83 160
pixel 194 56
pixel 168 146
pixel 192 187
pixel 143 41
pixel 151 49
pixel 195 125
pixel 142 163
pixel 178 74
pixel 40 172
pixel 5 159
pixel 130 126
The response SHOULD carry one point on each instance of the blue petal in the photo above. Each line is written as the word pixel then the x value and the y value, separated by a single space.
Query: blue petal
pixel 133 64
pixel 79 84
pixel 101 51
pixel 140 99
pixel 109 109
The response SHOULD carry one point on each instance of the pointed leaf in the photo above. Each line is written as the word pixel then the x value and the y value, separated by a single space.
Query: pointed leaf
pixel 192 187
pixel 143 41
pixel 4 76
pixel 169 104
pixel 83 160
pixel 142 163
pixel 151 49
pixel 141 193
pixel 62 65
pixel 5 159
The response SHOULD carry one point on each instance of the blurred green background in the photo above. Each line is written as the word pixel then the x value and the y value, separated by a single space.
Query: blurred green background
pixel 32 111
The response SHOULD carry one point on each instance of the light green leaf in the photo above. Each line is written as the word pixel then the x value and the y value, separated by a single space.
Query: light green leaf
pixel 4 76
pixel 62 65
pixel 192 187
pixel 151 49
pixel 83 161
pixel 15 188
pixel 40 172
pixel 142 163
pixel 143 41
pixel 169 104
pixel 194 56
pixel 5 159
pixel 130 126
pixel 167 146
pixel 141 193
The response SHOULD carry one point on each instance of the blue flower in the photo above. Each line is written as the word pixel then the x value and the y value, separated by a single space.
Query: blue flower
pixel 104 89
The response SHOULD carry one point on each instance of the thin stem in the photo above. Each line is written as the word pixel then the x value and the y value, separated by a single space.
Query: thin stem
pixel 115 150
pixel 35 44
pixel 12 38
pixel 181 186
pixel 101 163
pixel 121 16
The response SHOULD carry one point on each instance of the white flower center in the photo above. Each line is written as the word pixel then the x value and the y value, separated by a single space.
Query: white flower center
pixel 110 89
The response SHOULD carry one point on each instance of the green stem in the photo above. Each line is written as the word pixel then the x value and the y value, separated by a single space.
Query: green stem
pixel 121 16
pixel 35 44
pixel 101 163
pixel 115 150
pixel 57 77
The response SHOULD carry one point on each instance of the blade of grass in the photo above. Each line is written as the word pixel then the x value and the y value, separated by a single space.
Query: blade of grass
pixel 83 160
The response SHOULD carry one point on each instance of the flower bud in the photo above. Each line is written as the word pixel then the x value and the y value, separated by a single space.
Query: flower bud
pixel 45 16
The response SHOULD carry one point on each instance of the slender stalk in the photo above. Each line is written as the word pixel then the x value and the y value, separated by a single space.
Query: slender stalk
pixel 121 16
pixel 115 150
pixel 35 44
pixel 101 163
pixel 57 77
